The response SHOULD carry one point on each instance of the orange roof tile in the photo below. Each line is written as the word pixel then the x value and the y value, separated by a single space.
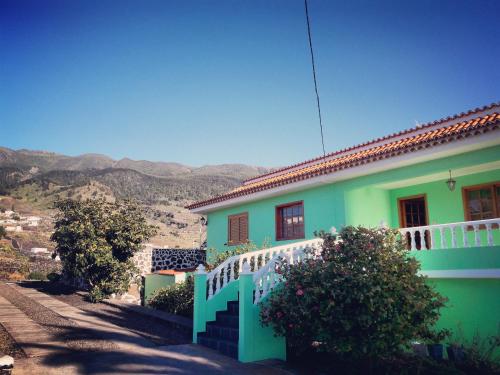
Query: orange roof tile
pixel 411 143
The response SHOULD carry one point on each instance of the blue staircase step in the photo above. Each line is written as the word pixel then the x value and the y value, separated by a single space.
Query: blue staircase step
pixel 227 319
pixel 223 333
pixel 217 331
pixel 226 347
pixel 233 307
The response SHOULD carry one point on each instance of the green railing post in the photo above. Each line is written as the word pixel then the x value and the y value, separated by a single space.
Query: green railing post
pixel 246 287
pixel 200 302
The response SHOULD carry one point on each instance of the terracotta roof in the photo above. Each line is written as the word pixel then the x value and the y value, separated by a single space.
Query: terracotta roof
pixel 415 142
pixel 384 138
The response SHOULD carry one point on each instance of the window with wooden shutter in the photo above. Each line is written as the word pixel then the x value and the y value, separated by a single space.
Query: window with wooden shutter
pixel 237 229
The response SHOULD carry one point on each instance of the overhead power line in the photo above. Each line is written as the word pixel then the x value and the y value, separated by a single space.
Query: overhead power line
pixel 314 76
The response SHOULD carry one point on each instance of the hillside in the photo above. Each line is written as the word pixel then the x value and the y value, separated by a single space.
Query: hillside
pixel 38 178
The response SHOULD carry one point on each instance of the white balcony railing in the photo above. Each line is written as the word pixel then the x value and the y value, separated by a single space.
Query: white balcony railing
pixel 229 270
pixel 477 233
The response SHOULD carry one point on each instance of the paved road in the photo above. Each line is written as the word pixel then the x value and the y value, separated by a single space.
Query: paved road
pixel 132 353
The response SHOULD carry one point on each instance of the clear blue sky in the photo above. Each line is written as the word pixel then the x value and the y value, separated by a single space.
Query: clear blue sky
pixel 204 82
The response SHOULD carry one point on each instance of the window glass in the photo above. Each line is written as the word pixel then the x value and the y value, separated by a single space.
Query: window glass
pixel 482 203
pixel 290 222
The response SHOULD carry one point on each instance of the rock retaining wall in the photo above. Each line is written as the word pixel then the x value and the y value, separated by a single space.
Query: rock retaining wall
pixel 151 259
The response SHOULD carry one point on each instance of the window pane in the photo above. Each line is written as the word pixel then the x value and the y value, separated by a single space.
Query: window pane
pixel 480 203
pixel 291 222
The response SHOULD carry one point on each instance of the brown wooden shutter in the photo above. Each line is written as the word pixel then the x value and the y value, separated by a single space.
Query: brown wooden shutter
pixel 237 229
pixel 243 235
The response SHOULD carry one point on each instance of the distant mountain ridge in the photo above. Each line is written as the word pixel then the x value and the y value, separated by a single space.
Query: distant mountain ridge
pixel 45 176
pixel 44 161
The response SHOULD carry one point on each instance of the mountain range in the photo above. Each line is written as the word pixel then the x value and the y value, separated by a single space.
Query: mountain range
pixel 44 161
pixel 37 178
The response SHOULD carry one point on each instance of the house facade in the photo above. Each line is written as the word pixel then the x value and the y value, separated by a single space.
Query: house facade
pixel 438 183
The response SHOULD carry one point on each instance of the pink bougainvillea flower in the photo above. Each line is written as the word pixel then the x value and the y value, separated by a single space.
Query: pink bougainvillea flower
pixel 290 325
pixel 300 292
pixel 279 314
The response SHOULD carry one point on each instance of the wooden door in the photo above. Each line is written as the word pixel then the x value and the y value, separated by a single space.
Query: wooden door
pixel 413 213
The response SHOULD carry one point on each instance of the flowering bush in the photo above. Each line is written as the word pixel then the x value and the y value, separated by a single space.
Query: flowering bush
pixel 362 298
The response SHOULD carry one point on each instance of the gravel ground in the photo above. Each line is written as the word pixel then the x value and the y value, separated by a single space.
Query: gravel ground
pixel 75 337
pixel 155 330
pixel 8 346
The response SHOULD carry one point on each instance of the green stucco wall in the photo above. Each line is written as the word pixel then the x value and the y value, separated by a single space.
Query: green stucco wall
pixel 360 201
pixel 474 304
pixel 473 307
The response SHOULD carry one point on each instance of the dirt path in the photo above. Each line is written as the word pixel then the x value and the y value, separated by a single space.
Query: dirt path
pixel 63 329
pixel 155 330
pixel 129 353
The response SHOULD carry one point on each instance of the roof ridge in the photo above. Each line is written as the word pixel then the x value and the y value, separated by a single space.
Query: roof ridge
pixel 383 138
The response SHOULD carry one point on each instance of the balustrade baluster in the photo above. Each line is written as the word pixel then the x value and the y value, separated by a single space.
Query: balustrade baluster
pixel 453 237
pixel 227 278
pixel 210 287
pixel 443 240
pixel 489 234
pixel 265 284
pixel 431 238
pixel 231 275
pixel 257 292
pixel 217 281
pixel 412 237
pixel 465 236
pixel 477 237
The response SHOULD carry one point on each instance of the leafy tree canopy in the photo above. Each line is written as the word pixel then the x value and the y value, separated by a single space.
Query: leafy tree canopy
pixel 96 240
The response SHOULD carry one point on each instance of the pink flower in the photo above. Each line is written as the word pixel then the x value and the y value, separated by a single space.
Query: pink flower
pixel 290 326
pixel 300 292
pixel 279 314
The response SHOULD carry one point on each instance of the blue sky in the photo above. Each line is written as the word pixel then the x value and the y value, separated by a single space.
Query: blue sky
pixel 209 82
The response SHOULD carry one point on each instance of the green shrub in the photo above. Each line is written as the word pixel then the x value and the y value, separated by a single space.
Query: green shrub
pixel 363 299
pixel 54 277
pixel 481 355
pixel 36 275
pixel 176 299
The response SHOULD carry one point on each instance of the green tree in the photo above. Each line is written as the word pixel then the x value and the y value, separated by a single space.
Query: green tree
pixel 96 240
pixel 3 232
pixel 363 298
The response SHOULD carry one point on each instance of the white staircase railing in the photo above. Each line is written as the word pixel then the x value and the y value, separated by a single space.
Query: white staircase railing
pixel 452 235
pixel 266 278
pixel 229 270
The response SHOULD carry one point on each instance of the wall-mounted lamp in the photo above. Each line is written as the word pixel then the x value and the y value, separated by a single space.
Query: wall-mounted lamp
pixel 204 221
pixel 451 183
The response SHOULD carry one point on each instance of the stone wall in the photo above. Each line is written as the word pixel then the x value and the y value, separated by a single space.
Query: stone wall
pixel 178 259
pixel 144 260
pixel 151 259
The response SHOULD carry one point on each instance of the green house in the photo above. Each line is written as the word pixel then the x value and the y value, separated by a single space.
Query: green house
pixel 439 183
